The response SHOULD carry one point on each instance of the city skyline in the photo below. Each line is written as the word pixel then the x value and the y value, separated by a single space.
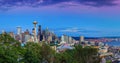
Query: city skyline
pixel 91 18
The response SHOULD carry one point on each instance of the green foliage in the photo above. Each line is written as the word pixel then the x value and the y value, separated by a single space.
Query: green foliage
pixel 109 61
pixel 46 52
pixel 8 49
pixel 32 53
pixel 7 40
pixel 37 53
pixel 78 55
pixel 8 54
pixel 12 52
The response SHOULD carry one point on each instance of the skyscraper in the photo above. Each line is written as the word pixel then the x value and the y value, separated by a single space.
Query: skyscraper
pixel 81 38
pixel 27 32
pixel 65 38
pixel 19 30
pixel 39 33
pixel 47 33
pixel 19 34
pixel 62 38
pixel 70 40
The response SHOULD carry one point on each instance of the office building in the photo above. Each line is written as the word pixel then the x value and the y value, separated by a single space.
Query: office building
pixel 65 38
pixel 70 40
pixel 19 34
pixel 19 30
pixel 81 38
pixel 39 33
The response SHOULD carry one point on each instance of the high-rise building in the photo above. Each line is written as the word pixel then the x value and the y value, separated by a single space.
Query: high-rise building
pixel 70 40
pixel 46 34
pixel 23 37
pixel 27 38
pixel 49 39
pixel 27 32
pixel 81 38
pixel 19 34
pixel 19 30
pixel 62 38
pixel 39 33
pixel 43 35
pixel 65 38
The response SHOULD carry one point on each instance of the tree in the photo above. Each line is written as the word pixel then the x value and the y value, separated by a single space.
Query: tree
pixel 6 39
pixel 47 53
pixel 8 55
pixel 8 49
pixel 32 53
pixel 78 55
pixel 12 52
pixel 37 53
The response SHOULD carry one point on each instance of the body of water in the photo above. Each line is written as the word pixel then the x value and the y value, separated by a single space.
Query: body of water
pixel 113 43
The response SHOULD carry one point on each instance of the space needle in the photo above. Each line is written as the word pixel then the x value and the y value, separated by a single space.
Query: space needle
pixel 35 33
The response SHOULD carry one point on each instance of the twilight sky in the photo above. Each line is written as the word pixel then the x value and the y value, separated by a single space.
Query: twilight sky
pixel 90 18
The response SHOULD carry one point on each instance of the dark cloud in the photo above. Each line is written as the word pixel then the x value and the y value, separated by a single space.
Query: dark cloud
pixel 35 3
pixel 98 3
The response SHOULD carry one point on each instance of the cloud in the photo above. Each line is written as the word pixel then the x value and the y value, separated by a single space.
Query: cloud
pixel 98 3
pixel 75 30
pixel 36 3
pixel 70 30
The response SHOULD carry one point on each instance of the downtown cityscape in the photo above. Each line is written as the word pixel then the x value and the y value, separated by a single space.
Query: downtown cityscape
pixel 65 42
pixel 59 31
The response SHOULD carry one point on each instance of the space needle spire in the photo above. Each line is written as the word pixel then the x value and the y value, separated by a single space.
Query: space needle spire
pixel 35 33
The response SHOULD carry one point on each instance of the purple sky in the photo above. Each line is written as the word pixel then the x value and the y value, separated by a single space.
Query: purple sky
pixel 71 17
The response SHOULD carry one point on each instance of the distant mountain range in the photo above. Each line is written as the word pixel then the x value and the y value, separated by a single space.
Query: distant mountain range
pixel 77 38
